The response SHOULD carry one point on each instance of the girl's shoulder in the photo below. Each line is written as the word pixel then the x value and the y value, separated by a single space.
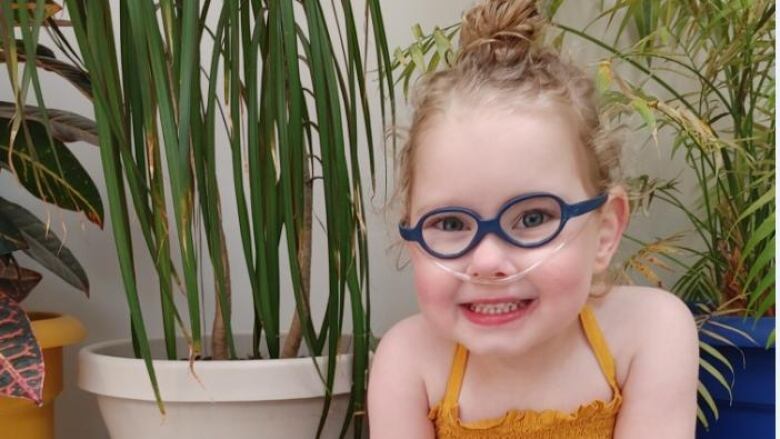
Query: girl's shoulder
pixel 414 336
pixel 425 357
pixel 632 318
pixel 636 302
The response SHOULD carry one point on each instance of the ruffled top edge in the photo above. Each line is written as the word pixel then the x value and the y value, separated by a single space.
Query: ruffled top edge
pixel 595 408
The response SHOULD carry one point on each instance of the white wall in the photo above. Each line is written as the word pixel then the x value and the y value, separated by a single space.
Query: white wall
pixel 105 313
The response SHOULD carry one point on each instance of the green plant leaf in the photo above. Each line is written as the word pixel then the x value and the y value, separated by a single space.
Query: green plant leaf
pixel 51 174
pixel 11 238
pixel 766 228
pixel 761 262
pixel 706 365
pixel 705 394
pixel 552 7
pixel 768 302
pixel 400 58
pixel 706 347
pixel 702 418
pixel 603 76
pixel 641 107
pixel 724 340
pixel 734 330
pixel 763 200
pixel 417 57
pixel 443 44
pixel 45 247
pixel 417 31
pixel 433 63
pixel 65 126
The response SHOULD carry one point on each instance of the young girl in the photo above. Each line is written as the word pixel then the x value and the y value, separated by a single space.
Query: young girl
pixel 512 211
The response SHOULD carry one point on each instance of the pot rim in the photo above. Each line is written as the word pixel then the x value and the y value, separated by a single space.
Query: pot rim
pixel 54 330
pixel 118 375
pixel 758 329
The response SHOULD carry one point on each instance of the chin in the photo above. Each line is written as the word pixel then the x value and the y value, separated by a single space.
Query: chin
pixel 496 346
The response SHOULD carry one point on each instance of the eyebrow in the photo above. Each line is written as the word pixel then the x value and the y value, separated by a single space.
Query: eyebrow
pixel 425 208
pixel 440 205
pixel 416 214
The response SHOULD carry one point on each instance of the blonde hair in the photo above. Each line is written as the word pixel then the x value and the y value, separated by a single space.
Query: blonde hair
pixel 502 61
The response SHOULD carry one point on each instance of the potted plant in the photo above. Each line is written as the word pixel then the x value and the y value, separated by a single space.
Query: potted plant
pixel 31 342
pixel 289 89
pixel 723 125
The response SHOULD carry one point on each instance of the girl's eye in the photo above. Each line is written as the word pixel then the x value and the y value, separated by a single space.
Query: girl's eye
pixel 534 218
pixel 450 224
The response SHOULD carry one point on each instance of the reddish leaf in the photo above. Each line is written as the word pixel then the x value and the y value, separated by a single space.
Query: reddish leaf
pixel 15 281
pixel 21 361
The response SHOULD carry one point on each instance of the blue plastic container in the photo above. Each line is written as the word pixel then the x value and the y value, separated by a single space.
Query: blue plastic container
pixel 751 413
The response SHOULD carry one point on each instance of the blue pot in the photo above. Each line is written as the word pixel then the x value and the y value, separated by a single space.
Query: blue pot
pixel 751 412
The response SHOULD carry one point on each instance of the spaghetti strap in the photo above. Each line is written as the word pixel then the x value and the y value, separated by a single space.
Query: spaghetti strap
pixel 455 380
pixel 599 345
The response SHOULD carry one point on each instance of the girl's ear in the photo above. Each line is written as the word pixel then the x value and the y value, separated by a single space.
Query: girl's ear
pixel 612 223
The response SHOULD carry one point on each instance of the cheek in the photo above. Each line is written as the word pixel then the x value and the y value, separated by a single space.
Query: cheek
pixel 569 273
pixel 431 283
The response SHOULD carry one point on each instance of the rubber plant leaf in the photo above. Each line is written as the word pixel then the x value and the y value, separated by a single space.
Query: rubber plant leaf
pixel 21 361
pixel 11 238
pixel 52 174
pixel 75 75
pixel 16 281
pixel 45 247
pixel 40 49
pixel 65 126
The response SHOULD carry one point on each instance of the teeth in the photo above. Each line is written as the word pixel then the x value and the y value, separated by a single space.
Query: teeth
pixel 497 308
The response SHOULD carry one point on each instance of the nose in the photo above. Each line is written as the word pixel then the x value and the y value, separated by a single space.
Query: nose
pixel 490 259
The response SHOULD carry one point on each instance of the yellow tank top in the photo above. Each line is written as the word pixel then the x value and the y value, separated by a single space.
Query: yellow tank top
pixel 594 420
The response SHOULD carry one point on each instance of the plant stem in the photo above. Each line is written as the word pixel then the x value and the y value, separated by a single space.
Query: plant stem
pixel 293 341
pixel 219 338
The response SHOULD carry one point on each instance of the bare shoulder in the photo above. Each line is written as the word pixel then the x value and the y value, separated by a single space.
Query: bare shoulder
pixel 635 319
pixel 641 311
pixel 657 340
pixel 398 395
pixel 412 338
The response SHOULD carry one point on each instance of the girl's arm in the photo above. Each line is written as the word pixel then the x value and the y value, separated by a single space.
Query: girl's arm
pixel 659 394
pixel 397 400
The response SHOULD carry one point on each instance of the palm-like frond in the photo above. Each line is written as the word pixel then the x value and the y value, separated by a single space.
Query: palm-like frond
pixel 293 87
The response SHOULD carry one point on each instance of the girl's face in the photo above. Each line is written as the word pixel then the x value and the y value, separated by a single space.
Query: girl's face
pixel 478 159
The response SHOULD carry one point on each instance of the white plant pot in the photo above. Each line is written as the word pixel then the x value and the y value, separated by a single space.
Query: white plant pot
pixel 224 399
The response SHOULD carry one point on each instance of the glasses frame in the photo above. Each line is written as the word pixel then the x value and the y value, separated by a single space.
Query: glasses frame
pixel 493 225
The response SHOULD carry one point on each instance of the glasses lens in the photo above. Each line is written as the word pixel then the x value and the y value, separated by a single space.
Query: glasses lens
pixel 532 220
pixel 449 233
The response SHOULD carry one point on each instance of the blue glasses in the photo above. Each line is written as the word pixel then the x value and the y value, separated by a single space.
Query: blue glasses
pixel 528 221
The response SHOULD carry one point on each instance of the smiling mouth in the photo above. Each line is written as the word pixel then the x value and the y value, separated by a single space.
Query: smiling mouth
pixel 498 308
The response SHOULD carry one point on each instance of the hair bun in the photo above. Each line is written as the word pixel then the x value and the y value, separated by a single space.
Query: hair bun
pixel 503 32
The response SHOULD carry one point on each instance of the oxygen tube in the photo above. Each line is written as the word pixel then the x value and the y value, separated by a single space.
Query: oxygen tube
pixel 496 281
